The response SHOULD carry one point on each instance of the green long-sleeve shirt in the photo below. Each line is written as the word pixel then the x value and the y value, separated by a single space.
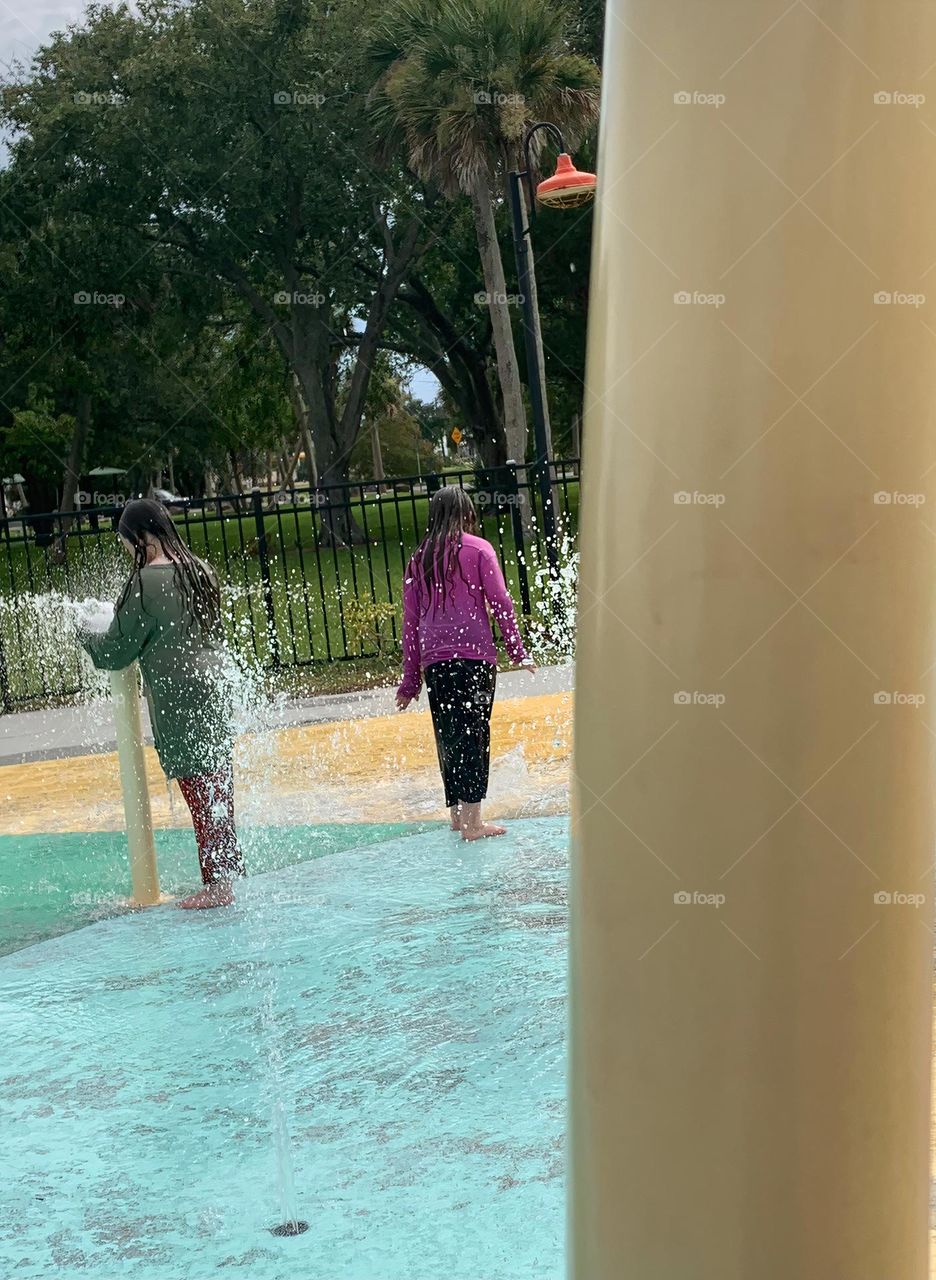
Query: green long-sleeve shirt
pixel 186 676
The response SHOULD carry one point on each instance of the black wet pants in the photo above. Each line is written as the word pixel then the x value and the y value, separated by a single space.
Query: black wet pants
pixel 461 694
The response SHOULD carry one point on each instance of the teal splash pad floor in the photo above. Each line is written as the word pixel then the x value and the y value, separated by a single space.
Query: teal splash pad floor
pixel 398 1008
pixel 51 884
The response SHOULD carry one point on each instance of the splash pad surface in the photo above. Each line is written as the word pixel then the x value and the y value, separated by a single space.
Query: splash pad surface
pixel 54 883
pixel 398 1009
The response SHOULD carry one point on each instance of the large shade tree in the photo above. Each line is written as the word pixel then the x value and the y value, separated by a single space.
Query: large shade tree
pixel 229 133
pixel 90 334
pixel 459 83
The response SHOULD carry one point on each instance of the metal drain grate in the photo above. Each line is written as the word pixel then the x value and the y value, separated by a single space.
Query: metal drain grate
pixel 295 1228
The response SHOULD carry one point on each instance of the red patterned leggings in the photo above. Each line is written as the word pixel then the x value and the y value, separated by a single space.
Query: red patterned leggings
pixel 210 797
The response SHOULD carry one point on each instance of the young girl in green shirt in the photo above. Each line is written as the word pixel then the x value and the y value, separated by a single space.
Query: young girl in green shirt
pixel 168 618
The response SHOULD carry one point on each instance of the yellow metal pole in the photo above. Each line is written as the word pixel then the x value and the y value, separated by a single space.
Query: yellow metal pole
pixel 753 825
pixel 144 874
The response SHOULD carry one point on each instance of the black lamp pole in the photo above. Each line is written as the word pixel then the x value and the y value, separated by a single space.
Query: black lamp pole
pixel 522 203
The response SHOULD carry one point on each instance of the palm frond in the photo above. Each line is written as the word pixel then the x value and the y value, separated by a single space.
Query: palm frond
pixel 460 80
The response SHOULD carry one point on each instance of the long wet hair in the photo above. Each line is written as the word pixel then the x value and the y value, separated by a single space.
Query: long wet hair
pixel 435 560
pixel 192 578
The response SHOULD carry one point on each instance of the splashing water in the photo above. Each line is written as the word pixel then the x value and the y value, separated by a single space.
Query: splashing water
pixel 43 628
pixel 92 615
pixel 46 625
pixel 552 628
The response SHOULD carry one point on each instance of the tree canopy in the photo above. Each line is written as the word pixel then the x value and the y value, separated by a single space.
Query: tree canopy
pixel 219 217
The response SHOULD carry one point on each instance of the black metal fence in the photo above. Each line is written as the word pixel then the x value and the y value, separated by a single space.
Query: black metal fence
pixel 312 573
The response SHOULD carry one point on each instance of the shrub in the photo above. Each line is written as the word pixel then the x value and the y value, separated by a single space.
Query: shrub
pixel 368 623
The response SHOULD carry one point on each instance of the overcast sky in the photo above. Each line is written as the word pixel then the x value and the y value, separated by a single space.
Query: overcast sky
pixel 25 24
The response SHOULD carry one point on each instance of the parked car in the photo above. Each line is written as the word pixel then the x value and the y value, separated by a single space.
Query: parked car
pixel 169 499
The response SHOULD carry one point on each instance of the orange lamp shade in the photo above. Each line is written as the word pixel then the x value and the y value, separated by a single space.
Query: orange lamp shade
pixel 568 187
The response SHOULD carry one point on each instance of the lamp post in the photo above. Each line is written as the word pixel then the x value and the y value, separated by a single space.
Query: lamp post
pixel 567 188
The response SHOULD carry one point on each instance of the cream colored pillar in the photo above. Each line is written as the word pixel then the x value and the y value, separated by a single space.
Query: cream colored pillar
pixel 144 874
pixel 753 817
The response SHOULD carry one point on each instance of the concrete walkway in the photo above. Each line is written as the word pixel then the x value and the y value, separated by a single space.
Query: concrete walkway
pixel 89 729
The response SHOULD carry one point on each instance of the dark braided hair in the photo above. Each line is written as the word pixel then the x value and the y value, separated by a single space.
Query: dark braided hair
pixel 193 579
pixel 451 513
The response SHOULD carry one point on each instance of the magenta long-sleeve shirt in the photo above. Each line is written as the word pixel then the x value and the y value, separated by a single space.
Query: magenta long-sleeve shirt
pixel 462 628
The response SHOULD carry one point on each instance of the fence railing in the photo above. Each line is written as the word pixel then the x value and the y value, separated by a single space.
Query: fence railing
pixel 311 573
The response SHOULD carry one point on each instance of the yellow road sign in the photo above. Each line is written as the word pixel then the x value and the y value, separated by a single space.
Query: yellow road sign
pixel 457 436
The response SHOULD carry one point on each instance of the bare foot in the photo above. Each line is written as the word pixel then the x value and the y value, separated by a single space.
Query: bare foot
pixel 219 894
pixel 485 830
pixel 455 824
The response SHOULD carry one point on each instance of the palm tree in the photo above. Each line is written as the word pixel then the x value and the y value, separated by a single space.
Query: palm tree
pixel 460 81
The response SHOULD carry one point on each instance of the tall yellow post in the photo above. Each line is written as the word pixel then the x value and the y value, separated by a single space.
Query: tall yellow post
pixel 144 874
pixel 753 823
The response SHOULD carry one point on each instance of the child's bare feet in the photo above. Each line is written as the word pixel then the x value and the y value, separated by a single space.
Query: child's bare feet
pixel 482 832
pixel 471 826
pixel 456 824
pixel 219 894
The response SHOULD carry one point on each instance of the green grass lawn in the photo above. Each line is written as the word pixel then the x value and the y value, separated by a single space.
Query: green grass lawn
pixel 327 603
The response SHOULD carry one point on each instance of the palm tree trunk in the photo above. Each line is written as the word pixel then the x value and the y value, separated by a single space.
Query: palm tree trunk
pixel 495 285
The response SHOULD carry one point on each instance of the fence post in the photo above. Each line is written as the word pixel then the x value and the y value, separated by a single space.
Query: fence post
pixel 516 520
pixel 263 553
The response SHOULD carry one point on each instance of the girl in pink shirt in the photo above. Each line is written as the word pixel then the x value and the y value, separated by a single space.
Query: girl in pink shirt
pixel 453 585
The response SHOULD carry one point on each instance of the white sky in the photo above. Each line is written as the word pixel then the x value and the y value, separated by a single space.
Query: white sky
pixel 25 24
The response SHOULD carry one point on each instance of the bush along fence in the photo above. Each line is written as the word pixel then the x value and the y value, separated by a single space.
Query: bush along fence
pixel 311 574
